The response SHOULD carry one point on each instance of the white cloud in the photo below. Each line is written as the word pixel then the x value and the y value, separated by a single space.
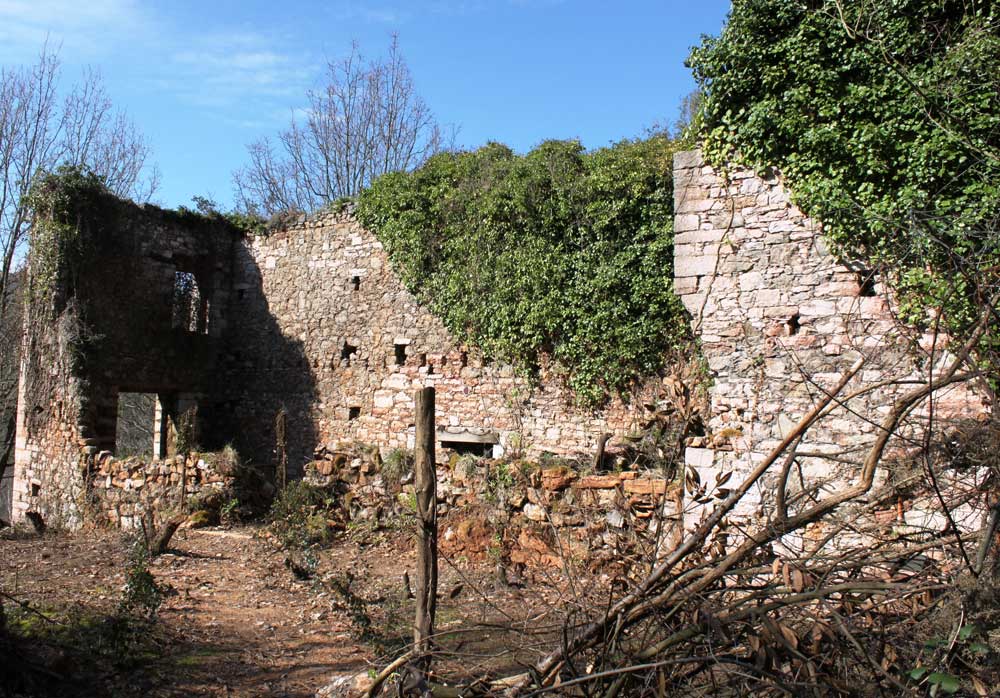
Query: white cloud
pixel 240 70
pixel 83 26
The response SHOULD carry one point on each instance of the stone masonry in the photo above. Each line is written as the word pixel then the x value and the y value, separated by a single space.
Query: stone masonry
pixel 328 331
pixel 780 319
pixel 304 340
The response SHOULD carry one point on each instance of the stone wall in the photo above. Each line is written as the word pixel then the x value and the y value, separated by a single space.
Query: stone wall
pixel 780 319
pixel 123 489
pixel 536 516
pixel 328 331
pixel 10 357
pixel 110 324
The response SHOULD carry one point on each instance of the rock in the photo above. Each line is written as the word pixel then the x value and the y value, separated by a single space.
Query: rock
pixel 646 486
pixel 615 518
pixel 599 482
pixel 555 479
pixel 533 512
pixel 346 686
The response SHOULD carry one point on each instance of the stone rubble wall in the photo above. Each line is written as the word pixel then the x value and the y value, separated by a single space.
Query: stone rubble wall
pixel 49 457
pixel 122 490
pixel 780 319
pixel 322 314
pixel 533 516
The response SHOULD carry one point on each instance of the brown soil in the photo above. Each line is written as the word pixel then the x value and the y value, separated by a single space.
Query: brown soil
pixel 237 621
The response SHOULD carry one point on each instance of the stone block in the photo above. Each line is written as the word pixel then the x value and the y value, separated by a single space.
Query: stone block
pixel 688 158
pixel 699 457
pixel 699 265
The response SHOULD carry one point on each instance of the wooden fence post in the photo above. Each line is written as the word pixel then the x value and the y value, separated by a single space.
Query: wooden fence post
pixel 425 482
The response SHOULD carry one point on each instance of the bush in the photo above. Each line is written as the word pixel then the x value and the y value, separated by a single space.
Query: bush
pixel 299 515
pixel 561 253
pixel 882 119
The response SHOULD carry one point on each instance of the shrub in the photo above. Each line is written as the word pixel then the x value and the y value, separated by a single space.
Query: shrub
pixel 299 515
pixel 561 253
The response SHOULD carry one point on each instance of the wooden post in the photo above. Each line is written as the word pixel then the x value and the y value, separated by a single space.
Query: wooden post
pixel 599 456
pixel 425 482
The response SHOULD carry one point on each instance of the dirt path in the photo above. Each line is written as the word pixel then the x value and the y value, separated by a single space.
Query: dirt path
pixel 237 621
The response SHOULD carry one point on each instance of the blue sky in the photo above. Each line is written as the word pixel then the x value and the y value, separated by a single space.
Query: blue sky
pixel 203 79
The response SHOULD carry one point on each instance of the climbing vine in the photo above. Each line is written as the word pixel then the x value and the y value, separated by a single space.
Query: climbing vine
pixel 560 253
pixel 59 202
pixel 883 118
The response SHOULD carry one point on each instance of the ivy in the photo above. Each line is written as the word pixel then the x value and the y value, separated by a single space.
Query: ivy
pixel 58 247
pixel 884 120
pixel 561 253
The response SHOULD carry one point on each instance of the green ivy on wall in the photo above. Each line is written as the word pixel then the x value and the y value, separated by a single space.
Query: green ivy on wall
pixel 884 120
pixel 562 252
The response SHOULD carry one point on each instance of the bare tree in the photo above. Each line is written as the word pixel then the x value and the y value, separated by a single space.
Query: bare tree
pixel 366 121
pixel 40 130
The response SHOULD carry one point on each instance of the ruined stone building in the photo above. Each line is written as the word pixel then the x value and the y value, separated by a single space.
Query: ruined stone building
pixel 276 344
pixel 305 337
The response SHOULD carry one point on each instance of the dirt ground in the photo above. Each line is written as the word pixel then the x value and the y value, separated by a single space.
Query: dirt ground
pixel 238 621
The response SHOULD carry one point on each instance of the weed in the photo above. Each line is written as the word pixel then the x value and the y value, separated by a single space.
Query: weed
pixel 299 515
pixel 396 466
pixel 499 481
pixel 141 595
pixel 374 623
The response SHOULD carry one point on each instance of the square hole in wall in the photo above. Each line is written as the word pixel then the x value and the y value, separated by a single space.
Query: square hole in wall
pixel 353 413
pixel 400 354
pixel 793 325
pixel 348 352
pixel 866 283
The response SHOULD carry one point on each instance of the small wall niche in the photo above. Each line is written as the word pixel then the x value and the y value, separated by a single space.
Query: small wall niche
pixel 793 324
pixel 400 353
pixel 355 283
pixel 353 413
pixel 348 352
pixel 866 283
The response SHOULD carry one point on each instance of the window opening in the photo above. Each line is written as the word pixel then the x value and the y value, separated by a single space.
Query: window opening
pixel 400 354
pixel 356 283
pixel 353 413
pixel 135 423
pixel 463 448
pixel 793 324
pixel 188 305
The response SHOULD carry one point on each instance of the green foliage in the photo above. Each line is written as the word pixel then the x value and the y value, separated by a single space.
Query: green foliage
pixel 141 595
pixel 882 118
pixel 965 646
pixel 396 466
pixel 499 481
pixel 561 253
pixel 298 517
pixel 58 250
